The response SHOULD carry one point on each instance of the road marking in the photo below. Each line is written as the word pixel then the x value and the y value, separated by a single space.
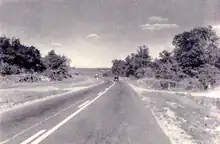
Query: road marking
pixel 49 132
pixel 100 93
pixel 35 125
pixel 33 137
pixel 83 104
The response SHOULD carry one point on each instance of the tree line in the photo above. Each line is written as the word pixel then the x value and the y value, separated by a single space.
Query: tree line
pixel 18 58
pixel 195 57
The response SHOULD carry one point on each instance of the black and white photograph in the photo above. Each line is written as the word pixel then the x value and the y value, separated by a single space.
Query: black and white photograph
pixel 109 71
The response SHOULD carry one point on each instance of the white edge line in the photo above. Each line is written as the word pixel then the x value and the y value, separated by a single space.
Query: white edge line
pixel 100 93
pixel 7 140
pixel 33 126
pixel 27 103
pixel 49 132
pixel 83 104
pixel 33 137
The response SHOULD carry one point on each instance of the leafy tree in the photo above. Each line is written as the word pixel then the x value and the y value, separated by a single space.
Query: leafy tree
pixel 57 66
pixel 195 60
pixel 7 69
pixel 142 58
pixel 217 63
pixel 195 48
pixel 118 67
pixel 129 68
pixel 208 75
pixel 145 72
pixel 133 63
pixel 166 67
pixel 13 53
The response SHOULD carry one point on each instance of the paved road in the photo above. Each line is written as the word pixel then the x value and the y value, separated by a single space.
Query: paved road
pixel 111 113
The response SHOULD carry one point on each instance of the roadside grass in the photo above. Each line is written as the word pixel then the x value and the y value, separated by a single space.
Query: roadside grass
pixel 14 93
pixel 190 85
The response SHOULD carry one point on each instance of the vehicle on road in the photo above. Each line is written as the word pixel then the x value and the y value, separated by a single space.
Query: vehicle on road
pixel 96 76
pixel 116 78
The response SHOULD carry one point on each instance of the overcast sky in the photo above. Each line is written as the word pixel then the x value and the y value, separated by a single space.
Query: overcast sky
pixel 94 32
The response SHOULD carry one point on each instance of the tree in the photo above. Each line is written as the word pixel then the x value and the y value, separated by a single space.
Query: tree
pixel 118 67
pixel 208 75
pixel 14 54
pixel 166 67
pixel 57 66
pixel 195 48
pixel 54 61
pixel 133 63
pixel 129 68
pixel 142 58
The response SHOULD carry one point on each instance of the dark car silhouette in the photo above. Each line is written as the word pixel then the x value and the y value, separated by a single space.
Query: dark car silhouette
pixel 116 78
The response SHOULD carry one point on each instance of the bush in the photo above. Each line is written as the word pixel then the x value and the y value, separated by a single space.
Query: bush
pixel 190 84
pixel 145 72
pixel 57 66
pixel 161 84
pixel 13 53
pixel 6 69
pixel 105 74
pixel 57 75
pixel 194 63
pixel 208 75
pixel 30 78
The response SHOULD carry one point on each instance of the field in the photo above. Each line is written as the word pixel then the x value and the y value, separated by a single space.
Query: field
pixel 13 92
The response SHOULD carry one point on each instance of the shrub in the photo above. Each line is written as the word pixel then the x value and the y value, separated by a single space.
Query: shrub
pixel 30 78
pixel 57 66
pixel 145 72
pixel 161 84
pixel 57 75
pixel 7 69
pixel 190 84
pixel 208 75
pixel 105 74
pixel 13 52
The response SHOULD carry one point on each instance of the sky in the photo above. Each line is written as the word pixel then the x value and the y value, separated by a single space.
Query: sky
pixel 94 32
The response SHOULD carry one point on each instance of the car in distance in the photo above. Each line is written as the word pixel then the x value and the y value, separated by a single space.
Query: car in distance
pixel 116 78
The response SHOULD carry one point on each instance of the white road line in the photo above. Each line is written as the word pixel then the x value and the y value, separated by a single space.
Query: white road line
pixel 35 125
pixel 33 137
pixel 49 132
pixel 100 93
pixel 83 104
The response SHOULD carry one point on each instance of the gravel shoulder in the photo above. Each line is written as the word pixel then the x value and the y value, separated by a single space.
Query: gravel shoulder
pixel 184 118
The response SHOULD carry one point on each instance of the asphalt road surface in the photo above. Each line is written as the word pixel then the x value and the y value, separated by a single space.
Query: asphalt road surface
pixel 110 113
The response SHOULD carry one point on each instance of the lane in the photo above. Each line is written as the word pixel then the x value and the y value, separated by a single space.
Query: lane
pixel 28 120
pixel 56 127
pixel 27 141
pixel 118 117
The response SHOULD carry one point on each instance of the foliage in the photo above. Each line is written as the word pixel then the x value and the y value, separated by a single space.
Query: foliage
pixel 132 63
pixel 194 61
pixel 57 66
pixel 208 74
pixel 14 54
pixel 196 48
pixel 118 67
pixel 16 57
pixel 6 69
pixel 54 61
pixel 191 84
pixel 107 74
